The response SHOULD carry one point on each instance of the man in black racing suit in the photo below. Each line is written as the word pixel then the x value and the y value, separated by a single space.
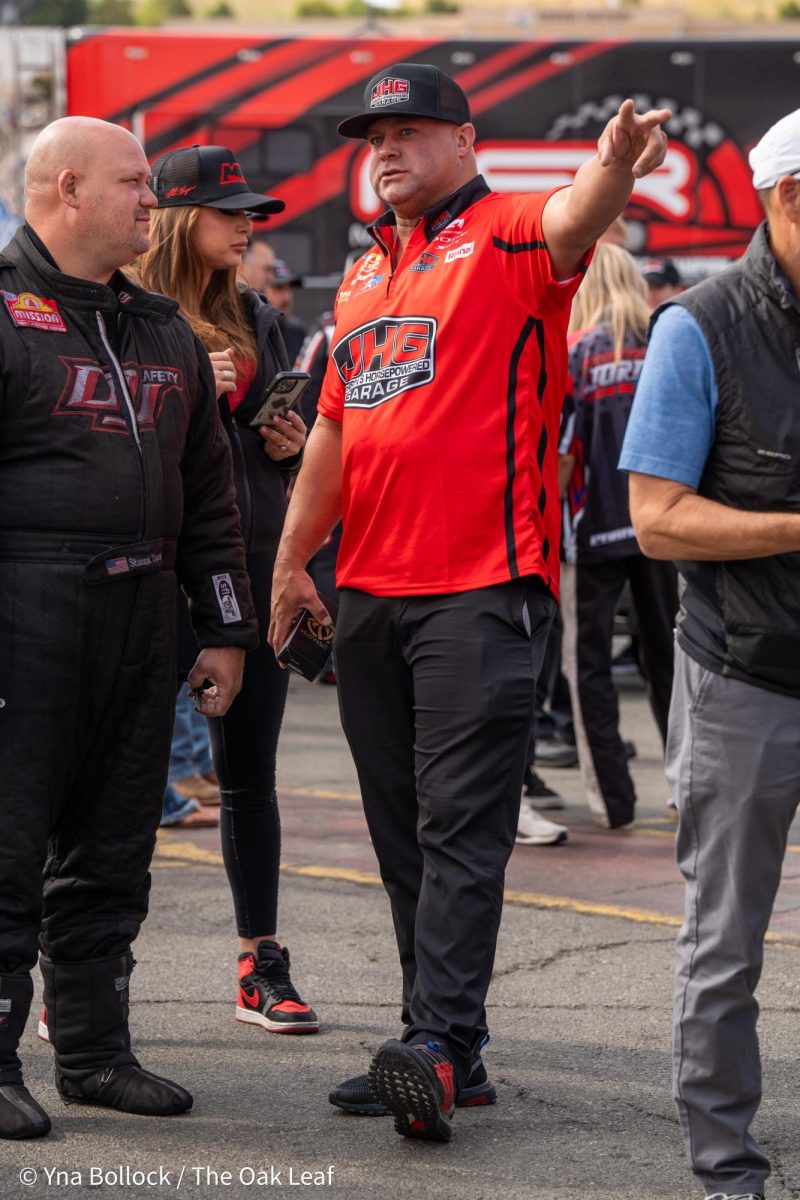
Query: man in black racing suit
pixel 114 483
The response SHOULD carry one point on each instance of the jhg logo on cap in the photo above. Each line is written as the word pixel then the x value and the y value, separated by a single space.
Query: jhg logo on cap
pixel 390 91
pixel 231 172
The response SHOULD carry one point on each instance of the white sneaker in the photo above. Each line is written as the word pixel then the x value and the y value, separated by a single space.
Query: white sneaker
pixel 535 830
pixel 738 1196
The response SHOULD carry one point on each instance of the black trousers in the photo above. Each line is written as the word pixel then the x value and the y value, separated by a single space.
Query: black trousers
pixel 552 710
pixel 87 687
pixel 244 745
pixel 436 697
pixel 589 598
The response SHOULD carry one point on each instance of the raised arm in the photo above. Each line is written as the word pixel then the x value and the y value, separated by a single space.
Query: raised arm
pixel 629 147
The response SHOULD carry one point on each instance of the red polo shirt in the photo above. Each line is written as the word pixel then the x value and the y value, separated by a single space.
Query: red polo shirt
pixel 447 372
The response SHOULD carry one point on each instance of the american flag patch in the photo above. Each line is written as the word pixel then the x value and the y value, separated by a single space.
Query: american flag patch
pixel 117 566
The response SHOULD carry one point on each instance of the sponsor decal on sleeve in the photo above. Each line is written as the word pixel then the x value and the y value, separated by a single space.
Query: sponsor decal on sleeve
pixel 383 358
pixel 226 599
pixel 34 312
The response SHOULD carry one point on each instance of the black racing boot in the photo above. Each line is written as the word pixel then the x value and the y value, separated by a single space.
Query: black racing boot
pixel 20 1115
pixel 87 1017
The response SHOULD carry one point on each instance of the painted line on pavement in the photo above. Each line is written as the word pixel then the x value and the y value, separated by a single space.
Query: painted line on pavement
pixel 320 794
pixel 187 852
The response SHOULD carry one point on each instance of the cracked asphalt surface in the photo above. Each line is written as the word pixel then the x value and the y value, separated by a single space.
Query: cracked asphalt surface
pixel 579 1012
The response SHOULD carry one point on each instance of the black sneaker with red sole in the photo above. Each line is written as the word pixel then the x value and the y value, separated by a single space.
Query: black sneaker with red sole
pixel 355 1097
pixel 267 997
pixel 417 1084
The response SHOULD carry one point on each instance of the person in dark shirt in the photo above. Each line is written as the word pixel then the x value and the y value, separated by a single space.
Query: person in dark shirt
pixel 609 323
pixel 198 240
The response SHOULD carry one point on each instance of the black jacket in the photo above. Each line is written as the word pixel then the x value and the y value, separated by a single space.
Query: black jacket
pixel 597 519
pixel 260 482
pixel 111 449
pixel 750 318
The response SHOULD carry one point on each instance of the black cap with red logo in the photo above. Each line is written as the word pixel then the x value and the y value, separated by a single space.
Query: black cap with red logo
pixel 210 177
pixel 409 90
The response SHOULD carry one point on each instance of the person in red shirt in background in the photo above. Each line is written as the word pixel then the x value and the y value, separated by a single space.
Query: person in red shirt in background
pixel 436 441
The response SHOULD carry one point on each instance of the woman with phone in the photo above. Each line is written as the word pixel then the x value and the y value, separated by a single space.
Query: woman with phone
pixel 198 235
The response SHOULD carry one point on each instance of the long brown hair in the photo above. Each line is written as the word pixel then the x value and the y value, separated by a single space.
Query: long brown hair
pixel 613 292
pixel 173 267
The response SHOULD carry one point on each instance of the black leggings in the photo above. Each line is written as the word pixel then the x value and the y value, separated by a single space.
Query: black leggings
pixel 244 744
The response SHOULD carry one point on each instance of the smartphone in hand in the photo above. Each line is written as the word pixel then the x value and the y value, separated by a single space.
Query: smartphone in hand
pixel 282 395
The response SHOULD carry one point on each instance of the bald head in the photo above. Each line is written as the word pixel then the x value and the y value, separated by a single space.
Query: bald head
pixel 72 144
pixel 88 196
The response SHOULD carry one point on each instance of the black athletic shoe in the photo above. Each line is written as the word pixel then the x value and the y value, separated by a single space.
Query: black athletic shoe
pixel 267 996
pixel 417 1084
pixel 354 1095
pixel 128 1089
pixel 20 1115
pixel 542 796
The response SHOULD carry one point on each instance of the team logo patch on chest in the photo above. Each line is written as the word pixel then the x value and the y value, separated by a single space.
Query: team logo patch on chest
pixel 34 312
pixel 378 361
pixel 91 392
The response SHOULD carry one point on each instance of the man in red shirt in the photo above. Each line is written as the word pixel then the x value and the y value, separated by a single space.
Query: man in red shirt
pixel 436 441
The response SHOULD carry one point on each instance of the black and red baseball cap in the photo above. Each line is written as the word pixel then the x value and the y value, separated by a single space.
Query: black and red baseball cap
pixel 409 90
pixel 662 272
pixel 209 177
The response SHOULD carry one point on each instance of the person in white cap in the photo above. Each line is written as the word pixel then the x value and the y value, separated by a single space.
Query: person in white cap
pixel 713 446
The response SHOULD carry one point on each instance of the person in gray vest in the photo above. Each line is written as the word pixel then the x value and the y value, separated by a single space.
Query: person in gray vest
pixel 713 448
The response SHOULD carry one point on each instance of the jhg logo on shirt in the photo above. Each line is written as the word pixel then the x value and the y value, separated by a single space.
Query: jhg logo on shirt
pixel 388 356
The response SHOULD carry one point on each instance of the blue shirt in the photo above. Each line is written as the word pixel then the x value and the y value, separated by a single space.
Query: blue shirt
pixel 671 427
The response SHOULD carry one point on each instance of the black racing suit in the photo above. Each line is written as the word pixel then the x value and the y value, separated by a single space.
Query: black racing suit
pixel 115 482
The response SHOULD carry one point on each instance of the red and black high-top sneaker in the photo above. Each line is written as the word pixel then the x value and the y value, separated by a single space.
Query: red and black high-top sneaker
pixel 417 1084
pixel 267 996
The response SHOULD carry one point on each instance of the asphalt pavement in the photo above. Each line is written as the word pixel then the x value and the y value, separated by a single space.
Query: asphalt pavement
pixel 579 1011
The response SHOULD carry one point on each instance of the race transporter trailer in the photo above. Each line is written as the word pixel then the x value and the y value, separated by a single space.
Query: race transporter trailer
pixel 538 107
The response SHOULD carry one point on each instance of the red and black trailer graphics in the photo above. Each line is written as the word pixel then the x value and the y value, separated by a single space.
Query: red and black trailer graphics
pixel 538 107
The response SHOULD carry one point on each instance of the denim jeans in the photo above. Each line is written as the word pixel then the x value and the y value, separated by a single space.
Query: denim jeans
pixel 191 749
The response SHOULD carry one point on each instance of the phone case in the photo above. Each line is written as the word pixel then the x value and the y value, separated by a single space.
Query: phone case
pixel 308 647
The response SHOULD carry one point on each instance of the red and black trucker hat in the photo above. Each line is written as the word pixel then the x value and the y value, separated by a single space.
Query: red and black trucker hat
pixel 409 90
pixel 209 177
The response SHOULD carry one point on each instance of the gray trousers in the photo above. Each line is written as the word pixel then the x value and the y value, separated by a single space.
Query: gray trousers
pixel 733 763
